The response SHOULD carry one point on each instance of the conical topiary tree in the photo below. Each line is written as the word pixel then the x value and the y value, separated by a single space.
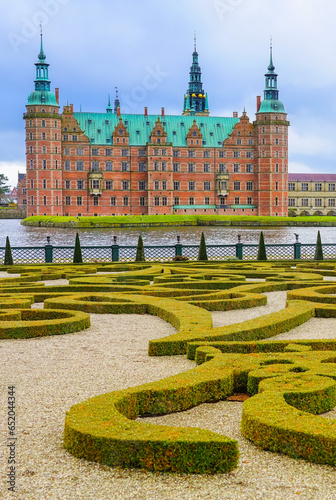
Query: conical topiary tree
pixel 77 258
pixel 262 249
pixel 8 254
pixel 202 251
pixel 140 253
pixel 318 249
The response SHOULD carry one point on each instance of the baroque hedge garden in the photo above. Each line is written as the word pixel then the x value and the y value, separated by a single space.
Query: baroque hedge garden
pixel 290 382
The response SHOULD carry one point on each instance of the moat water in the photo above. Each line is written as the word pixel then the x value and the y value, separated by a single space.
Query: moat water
pixel 36 236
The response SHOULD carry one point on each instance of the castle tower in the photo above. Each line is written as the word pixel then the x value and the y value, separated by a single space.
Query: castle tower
pixel 195 99
pixel 271 128
pixel 43 145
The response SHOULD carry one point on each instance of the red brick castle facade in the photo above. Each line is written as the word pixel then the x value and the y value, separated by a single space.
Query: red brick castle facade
pixel 84 164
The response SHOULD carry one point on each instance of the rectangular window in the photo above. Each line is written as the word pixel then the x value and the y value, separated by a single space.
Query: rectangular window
pixel 164 152
pixel 176 167
pixel 125 201
pixel 304 202
pixel 31 163
pixel 43 136
pixel 109 185
pixel 236 167
pixel 191 201
pixel 44 183
pixel 239 141
pixel 304 186
pixel 44 164
pixel 142 166
pixel 236 154
pixel 95 166
pixel 191 167
pixel 56 164
pixel 206 185
pixel 31 149
pixel 291 202
pixel 249 200
pixel 221 154
pixel 142 185
pixel 222 168
pixel 67 184
pixel 156 152
pixel 207 200
pixel 156 201
pixel 164 166
pixel 67 200
pixel 142 152
pixel 95 152
pixel 176 200
pixel 222 185
pixel 318 202
pixel 249 186
pixel 236 185
pixel 125 185
pixel 66 165
pixel 142 201
pixel 80 184
pixel 124 152
pixel 206 154
pixel 43 123
pixel 95 184
pixel 277 186
pixel 56 184
pixel 331 187
pixel 249 168
pixel 331 202
pixel 108 152
pixel 113 201
pixel 176 185
pixel 79 165
pixel 125 166
pixel 318 186
pixel 156 166
pixel 44 200
pixel 31 184
pixel 79 200
pixel 32 200
pixel 236 200
pixel 164 201
pixel 156 185
pixel 164 185
pixel 74 138
pixel 66 151
pixel 95 201
pixel 56 200
pixel 291 186
pixel 276 142
pixel 79 151
pixel 276 201
pixel 176 153
pixel 191 185
pixel 250 142
pixel 249 154
pixel 191 154
pixel 206 167
pixel 65 137
pixel 109 166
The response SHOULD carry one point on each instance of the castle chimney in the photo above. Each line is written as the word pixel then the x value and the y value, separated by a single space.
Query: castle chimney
pixel 162 111
pixel 146 111
pixel 258 103
pixel 235 114
pixel 57 95
pixel 71 108
pixel 118 111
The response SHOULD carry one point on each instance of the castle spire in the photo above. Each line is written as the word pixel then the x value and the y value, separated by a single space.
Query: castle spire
pixel 271 101
pixel 42 94
pixel 108 108
pixel 195 99
pixel 271 66
pixel 116 101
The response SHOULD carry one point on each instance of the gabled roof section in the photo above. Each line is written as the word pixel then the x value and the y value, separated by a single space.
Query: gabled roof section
pixel 100 126
pixel 312 177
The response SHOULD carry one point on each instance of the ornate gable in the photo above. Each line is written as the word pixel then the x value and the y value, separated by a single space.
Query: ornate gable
pixel 158 134
pixel 194 136
pixel 120 134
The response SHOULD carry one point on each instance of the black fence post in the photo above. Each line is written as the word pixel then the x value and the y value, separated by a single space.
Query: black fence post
pixel 48 251
pixel 115 250
pixel 239 248
pixel 297 248
pixel 178 247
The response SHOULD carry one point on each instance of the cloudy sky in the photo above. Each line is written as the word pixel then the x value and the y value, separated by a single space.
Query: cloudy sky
pixel 144 48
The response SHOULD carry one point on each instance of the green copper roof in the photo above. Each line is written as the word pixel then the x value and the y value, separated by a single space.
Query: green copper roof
pixel 42 97
pixel 271 106
pixel 100 126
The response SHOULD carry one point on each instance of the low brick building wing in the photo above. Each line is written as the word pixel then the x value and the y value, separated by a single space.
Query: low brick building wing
pixel 312 194
pixel 112 163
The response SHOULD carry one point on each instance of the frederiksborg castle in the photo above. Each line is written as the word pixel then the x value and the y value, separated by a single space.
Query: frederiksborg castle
pixel 111 163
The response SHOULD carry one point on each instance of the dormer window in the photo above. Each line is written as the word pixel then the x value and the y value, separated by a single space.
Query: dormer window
pixel 158 132
pixel 194 133
pixel 43 110
pixel 121 131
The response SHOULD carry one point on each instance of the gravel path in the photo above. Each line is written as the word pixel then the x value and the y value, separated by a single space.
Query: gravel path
pixel 53 373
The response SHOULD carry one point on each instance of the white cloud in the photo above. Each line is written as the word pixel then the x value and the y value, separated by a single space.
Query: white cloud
pixel 299 168
pixel 11 170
